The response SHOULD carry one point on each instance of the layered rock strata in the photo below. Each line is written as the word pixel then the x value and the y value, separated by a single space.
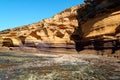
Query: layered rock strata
pixel 64 30
pixel 51 32
pixel 98 28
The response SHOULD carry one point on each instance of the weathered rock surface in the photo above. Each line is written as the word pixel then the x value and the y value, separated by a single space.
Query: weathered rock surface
pixel 102 24
pixel 56 31
pixel 52 32
pixel 105 25
pixel 98 28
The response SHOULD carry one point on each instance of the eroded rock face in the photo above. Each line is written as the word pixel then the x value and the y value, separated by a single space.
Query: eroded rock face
pixel 99 29
pixel 57 31
pixel 11 42
pixel 107 24
pixel 101 23
pixel 53 32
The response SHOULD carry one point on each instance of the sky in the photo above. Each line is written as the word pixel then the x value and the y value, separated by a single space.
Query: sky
pixel 15 13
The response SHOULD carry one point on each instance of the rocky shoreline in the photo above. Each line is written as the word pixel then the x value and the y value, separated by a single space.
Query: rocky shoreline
pixel 106 53
pixel 37 50
pixel 50 66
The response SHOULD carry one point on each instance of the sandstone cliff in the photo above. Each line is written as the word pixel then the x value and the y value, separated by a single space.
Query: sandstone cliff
pixel 101 23
pixel 98 27
pixel 56 31
pixel 105 25
pixel 51 32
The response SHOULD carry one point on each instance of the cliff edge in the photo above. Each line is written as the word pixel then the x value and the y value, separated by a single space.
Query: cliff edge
pixel 51 32
pixel 83 26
